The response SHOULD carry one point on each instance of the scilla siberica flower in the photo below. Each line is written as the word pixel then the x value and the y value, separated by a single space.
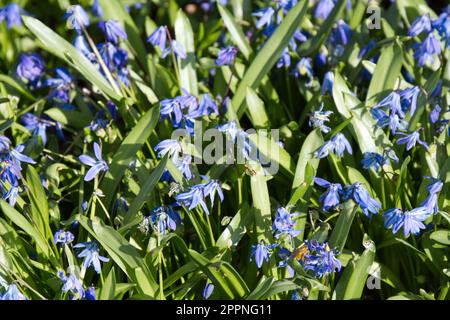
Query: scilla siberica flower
pixel 373 159
pixel 426 51
pixel 97 9
pixel 431 201
pixel 320 259
pixel 442 25
pixel 226 56
pixel 30 69
pixel 361 197
pixel 72 285
pixel 284 223
pixel 327 84
pixel 11 14
pixel 96 165
pixel 61 84
pixel 208 290
pixel 337 145
pixel 159 37
pixel 318 118
pixel 113 31
pixel 332 197
pixel 411 221
pixel 77 18
pixel 13 293
pixel 323 8
pixel 163 219
pixel 91 256
pixel 421 24
pixel 63 237
pixel 304 68
pixel 261 253
pixel 171 147
pixel 264 16
pixel 198 193
pixel 410 139
pixel 36 125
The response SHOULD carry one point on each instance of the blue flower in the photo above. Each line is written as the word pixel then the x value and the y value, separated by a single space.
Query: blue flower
pixel 90 293
pixel 392 101
pixel 411 139
pixel 91 255
pixel 332 197
pixel 265 17
pixel 442 25
pixel 409 98
pixel 97 9
pixel 421 24
pixel 285 59
pixel 77 18
pixel 431 201
pixel 341 34
pixel 318 118
pixel 323 9
pixel 171 147
pixel 361 197
pixel 208 106
pixel 434 114
pixel 113 31
pixel 71 284
pixel 30 69
pixel 96 165
pixel 226 56
pixel 426 51
pixel 61 84
pixel 198 194
pixel 11 13
pixel 411 221
pixel 36 125
pixel 341 144
pixel 304 68
pixel 63 237
pixel 284 223
pixel 163 219
pixel 327 84
pixel 373 159
pixel 208 290
pixel 261 252
pixel 13 293
pixel 18 157
pixel 320 259
pixel 159 37
pixel 178 50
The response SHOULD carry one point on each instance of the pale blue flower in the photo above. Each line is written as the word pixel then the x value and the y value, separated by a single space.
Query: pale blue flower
pixel 77 18
pixel 96 165
pixel 91 256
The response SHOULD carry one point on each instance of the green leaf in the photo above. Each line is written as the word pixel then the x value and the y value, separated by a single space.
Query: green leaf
pixel 73 118
pixel 223 275
pixel 237 228
pixel 127 152
pixel 235 30
pixel 387 70
pixel 146 189
pixel 26 226
pixel 39 203
pixel 13 83
pixel 61 48
pixel 108 290
pixel 185 36
pixel 269 287
pixel 357 280
pixel 340 232
pixel 441 236
pixel 261 203
pixel 312 142
pixel 256 110
pixel 268 55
